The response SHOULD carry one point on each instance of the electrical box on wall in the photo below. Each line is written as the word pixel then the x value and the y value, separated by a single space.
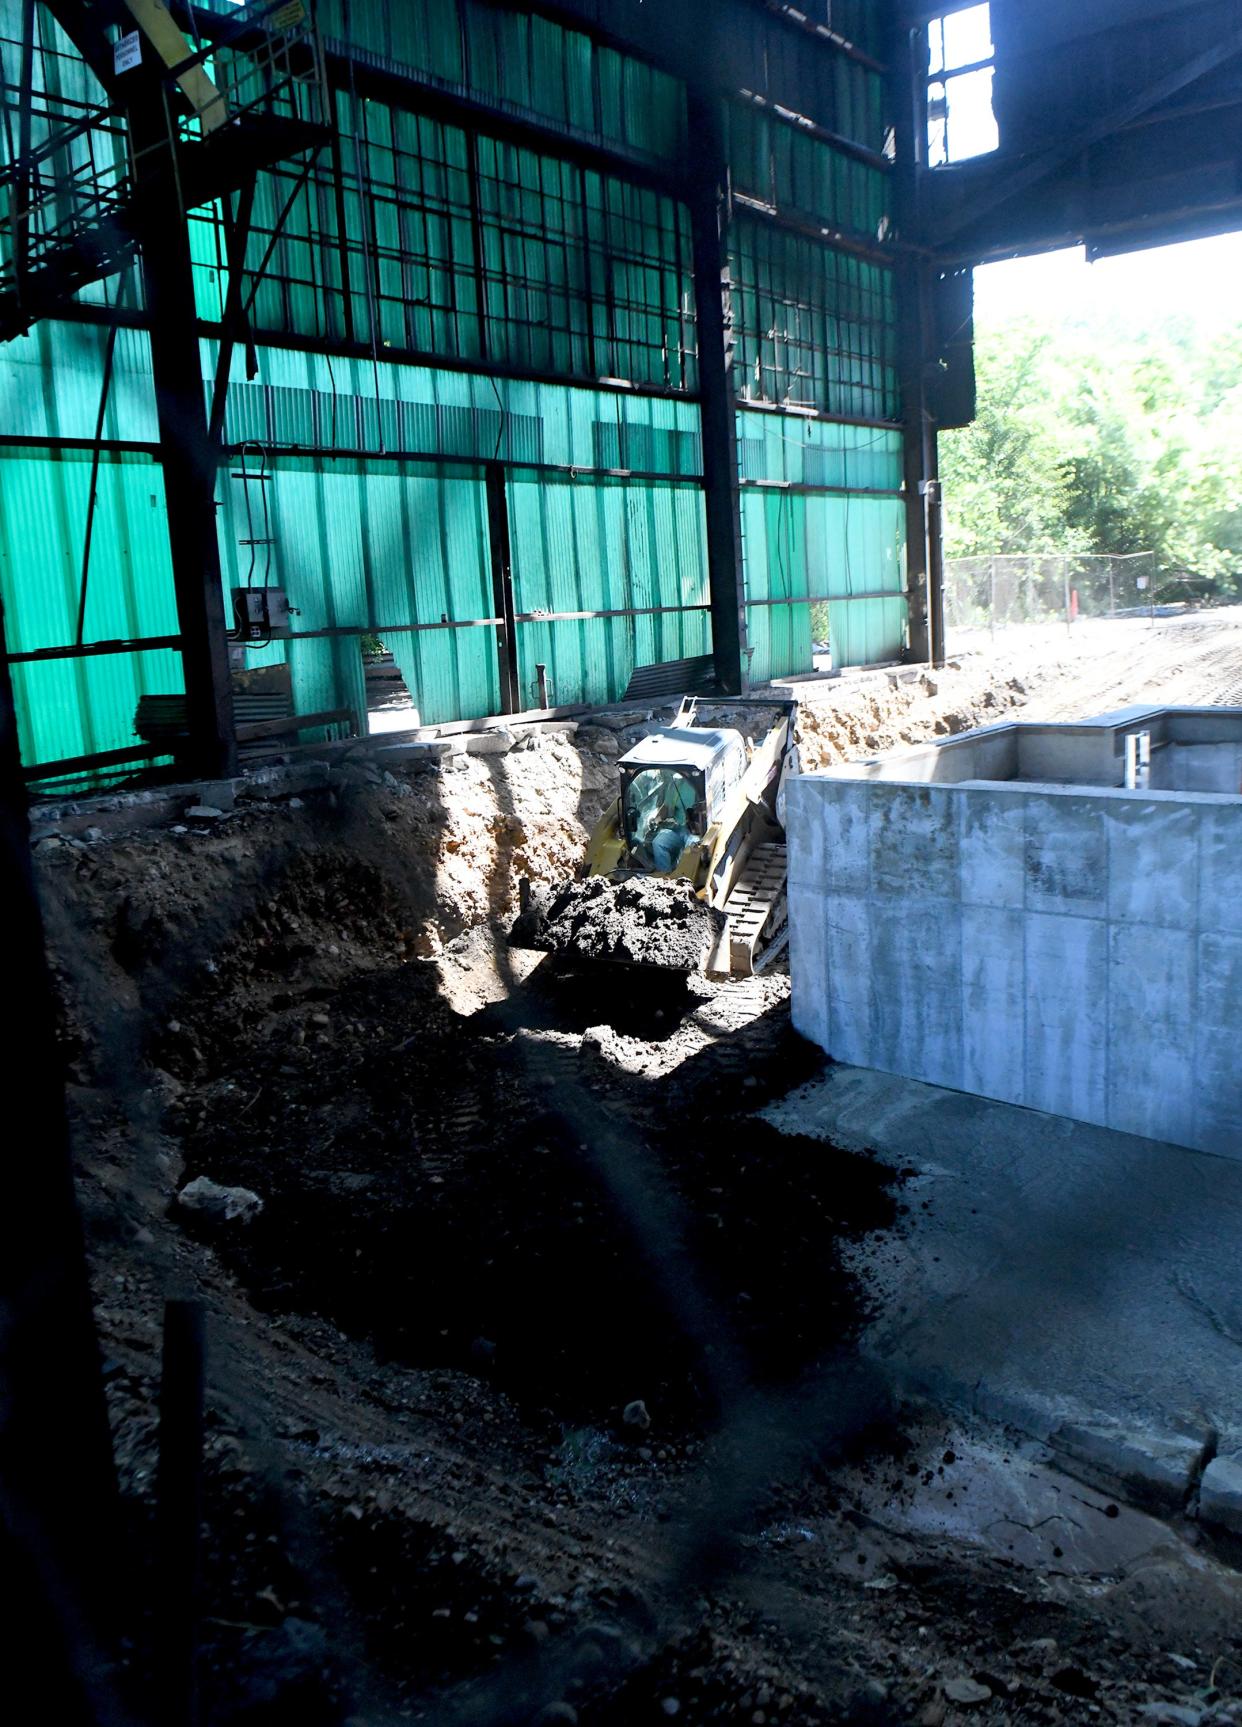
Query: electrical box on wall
pixel 260 614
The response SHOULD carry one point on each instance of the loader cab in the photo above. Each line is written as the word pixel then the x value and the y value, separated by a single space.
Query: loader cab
pixel 674 785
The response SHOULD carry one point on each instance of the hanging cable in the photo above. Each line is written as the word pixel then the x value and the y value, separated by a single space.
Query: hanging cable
pixel 260 479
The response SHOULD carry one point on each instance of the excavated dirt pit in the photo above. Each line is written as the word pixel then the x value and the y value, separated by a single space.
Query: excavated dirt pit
pixel 530 1393
pixel 483 1225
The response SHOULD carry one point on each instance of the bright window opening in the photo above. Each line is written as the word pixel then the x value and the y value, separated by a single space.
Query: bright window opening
pixel 960 120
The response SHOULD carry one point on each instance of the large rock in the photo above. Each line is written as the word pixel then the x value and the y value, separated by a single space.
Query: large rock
pixel 208 1199
pixel 217 794
pixel 417 751
pixel 497 741
pixel 620 722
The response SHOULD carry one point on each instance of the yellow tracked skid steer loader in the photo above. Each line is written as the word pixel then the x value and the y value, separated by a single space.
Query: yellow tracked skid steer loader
pixel 687 869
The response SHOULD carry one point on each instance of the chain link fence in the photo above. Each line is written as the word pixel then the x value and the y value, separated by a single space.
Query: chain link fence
pixel 1015 590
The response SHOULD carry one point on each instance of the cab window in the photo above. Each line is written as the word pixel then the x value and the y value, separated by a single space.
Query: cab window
pixel 662 816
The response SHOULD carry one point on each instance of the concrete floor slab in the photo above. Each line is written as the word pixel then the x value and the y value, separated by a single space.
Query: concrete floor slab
pixel 1066 1278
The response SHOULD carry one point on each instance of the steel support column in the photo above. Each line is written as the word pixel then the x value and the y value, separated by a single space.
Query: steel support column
pixel 188 461
pixel 920 463
pixel 707 193
pixel 502 588
pixel 59 1525
pixel 924 560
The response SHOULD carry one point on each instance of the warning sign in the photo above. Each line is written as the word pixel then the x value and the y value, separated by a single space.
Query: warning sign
pixel 127 52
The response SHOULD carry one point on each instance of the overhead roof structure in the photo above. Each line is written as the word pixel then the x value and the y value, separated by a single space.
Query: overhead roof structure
pixel 1120 127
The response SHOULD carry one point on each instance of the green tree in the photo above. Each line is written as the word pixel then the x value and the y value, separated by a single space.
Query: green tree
pixel 1004 482
pixel 1103 439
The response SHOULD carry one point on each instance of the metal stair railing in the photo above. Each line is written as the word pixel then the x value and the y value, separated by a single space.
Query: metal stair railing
pixel 70 207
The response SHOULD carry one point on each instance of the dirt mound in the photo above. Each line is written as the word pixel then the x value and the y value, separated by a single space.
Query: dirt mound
pixel 641 919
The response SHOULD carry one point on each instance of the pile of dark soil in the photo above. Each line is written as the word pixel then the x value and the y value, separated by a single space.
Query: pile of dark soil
pixel 543 1220
pixel 646 920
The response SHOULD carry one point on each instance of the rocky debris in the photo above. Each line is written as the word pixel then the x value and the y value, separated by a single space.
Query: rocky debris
pixel 641 920
pixel 601 740
pixel 209 1199
pixel 218 794
pixel 204 813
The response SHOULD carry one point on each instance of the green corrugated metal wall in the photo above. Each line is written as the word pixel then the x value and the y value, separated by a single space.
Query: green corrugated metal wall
pixel 471 249
pixel 374 547
pixel 532 65
pixel 842 542
pixel 49 388
pixel 531 263
pixel 605 546
pixel 821 547
pixel 67 707
pixel 374 544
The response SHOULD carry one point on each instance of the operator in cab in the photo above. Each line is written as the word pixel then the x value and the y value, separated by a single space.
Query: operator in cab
pixel 664 801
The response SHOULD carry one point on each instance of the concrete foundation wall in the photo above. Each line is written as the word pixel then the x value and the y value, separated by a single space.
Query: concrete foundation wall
pixel 1077 951
pixel 1198 768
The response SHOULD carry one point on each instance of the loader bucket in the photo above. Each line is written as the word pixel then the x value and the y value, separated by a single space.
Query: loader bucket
pixel 633 919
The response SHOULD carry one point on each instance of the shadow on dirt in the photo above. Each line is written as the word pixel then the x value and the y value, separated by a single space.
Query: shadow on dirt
pixel 651 1005
pixel 464 1193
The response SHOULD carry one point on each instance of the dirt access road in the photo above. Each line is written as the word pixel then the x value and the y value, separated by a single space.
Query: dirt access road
pixel 531 1395
pixel 1192 660
pixel 1045 673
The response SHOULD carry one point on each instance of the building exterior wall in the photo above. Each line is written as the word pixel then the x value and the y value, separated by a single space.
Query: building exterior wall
pixel 1078 952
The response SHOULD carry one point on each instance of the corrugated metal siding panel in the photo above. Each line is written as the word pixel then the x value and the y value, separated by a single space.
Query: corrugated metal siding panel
pixel 377 543
pixel 774 556
pixel 50 382
pixel 72 706
pixel 800 175
pixel 605 546
pixel 868 633
pixel 369 547
pixel 774 446
pixel 75 707
pixel 815 327
pixel 451 674
pixel 812 547
pixel 526 64
pixel 573 273
pixel 309 399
